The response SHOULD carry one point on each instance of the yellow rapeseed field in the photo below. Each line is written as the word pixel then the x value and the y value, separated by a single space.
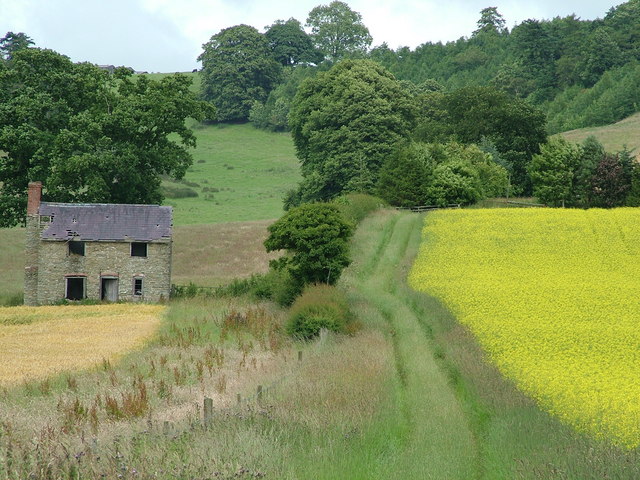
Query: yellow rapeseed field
pixel 553 296
pixel 36 342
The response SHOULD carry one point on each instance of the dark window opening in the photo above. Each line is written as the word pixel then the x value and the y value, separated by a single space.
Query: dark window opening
pixel 138 249
pixel 75 288
pixel 76 248
pixel 137 287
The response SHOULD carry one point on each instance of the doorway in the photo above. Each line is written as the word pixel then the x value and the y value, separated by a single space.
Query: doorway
pixel 109 289
pixel 75 288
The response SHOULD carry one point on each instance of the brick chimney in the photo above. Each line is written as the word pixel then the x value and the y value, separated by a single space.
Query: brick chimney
pixel 33 198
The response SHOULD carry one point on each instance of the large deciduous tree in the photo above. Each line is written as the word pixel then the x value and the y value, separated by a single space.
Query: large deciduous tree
pixel 238 69
pixel 88 135
pixel 344 123
pixel 291 45
pixel 338 31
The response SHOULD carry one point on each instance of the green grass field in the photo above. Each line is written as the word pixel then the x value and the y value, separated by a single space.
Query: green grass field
pixel 239 173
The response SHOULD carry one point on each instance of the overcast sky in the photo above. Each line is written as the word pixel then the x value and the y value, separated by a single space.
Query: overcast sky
pixel 167 35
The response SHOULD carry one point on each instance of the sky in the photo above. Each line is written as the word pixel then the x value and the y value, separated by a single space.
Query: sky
pixel 167 35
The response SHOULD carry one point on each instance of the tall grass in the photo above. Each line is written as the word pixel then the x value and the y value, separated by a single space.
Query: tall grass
pixel 142 416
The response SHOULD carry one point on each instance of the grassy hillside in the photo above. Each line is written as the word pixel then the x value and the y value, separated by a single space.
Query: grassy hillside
pixel 239 173
pixel 614 137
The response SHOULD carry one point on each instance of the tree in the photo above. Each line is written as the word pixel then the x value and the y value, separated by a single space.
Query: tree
pixel 12 43
pixel 602 54
pixel 338 31
pixel 316 238
pixel 405 176
pixel 344 123
pixel 87 135
pixel 610 182
pixel 290 44
pixel 592 153
pixel 491 22
pixel 471 114
pixel 238 69
pixel 552 171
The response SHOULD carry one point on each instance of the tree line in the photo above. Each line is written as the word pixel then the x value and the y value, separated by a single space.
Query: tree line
pixel 578 72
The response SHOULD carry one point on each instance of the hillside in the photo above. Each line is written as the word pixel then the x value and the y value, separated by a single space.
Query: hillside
pixel 613 137
pixel 239 174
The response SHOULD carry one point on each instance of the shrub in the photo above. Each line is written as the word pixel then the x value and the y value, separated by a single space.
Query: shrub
pixel 354 207
pixel 171 191
pixel 320 306
pixel 316 238
pixel 277 285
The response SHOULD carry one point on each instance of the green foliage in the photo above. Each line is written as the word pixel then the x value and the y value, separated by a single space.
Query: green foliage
pixel 354 207
pixel 338 31
pixel 316 238
pixel 552 171
pixel 480 114
pixel 177 191
pixel 440 174
pixel 319 306
pixel 12 43
pixel 291 45
pixel 238 68
pixel 405 175
pixel 87 135
pixel 344 123
pixel 616 95
pixel 273 114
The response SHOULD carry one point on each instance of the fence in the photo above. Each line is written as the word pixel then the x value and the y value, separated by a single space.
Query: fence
pixel 426 208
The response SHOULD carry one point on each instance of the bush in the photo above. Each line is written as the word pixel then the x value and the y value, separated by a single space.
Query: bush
pixel 12 300
pixel 316 238
pixel 276 285
pixel 320 306
pixel 356 206
pixel 171 191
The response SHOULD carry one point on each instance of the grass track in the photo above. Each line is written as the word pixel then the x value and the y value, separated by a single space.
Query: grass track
pixel 436 439
pixel 455 415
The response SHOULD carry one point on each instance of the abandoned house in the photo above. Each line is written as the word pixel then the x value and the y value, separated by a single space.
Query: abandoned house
pixel 107 252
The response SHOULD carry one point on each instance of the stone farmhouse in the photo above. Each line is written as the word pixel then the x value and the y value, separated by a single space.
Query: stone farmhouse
pixel 108 252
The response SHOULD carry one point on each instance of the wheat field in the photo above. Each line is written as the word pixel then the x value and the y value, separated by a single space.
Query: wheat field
pixel 37 342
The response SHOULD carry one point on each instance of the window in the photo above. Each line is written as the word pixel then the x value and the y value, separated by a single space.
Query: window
pixel 75 288
pixel 76 248
pixel 138 249
pixel 137 287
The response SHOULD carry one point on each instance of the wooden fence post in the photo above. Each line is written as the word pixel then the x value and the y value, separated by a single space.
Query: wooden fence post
pixel 208 411
pixel 259 393
pixel 299 355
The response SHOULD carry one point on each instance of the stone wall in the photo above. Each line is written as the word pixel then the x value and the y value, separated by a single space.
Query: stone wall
pixel 109 259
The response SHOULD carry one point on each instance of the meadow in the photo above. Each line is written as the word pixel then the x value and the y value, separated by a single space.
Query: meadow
pixel 548 294
pixel 239 174
pixel 614 137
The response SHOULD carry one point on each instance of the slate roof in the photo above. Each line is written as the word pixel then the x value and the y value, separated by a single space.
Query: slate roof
pixel 106 222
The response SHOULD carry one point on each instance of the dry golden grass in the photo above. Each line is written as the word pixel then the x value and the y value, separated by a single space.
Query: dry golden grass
pixel 36 342
pixel 614 137
pixel 210 255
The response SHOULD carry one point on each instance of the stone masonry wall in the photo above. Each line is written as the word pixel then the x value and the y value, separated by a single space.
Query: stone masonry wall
pixel 104 259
